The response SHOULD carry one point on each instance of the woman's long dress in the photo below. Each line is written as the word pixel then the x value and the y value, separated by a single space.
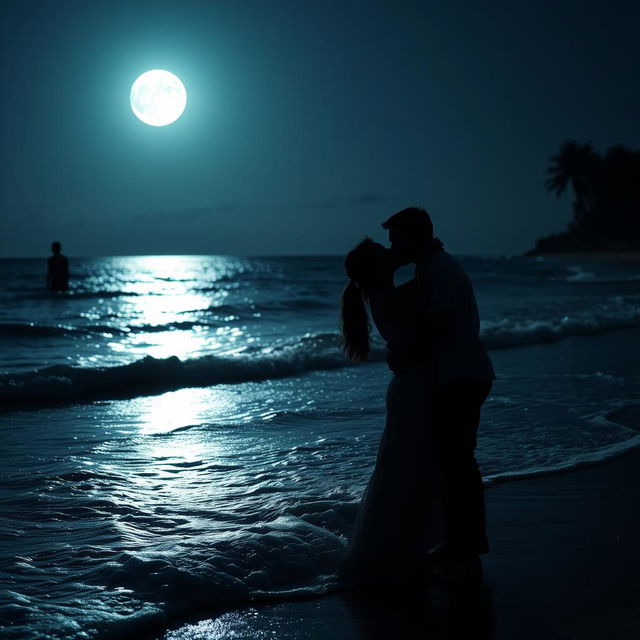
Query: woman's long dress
pixel 398 519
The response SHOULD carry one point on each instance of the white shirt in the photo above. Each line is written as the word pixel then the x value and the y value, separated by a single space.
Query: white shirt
pixel 443 285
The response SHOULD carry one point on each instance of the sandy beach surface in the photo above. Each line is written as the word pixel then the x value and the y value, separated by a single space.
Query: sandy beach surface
pixel 564 564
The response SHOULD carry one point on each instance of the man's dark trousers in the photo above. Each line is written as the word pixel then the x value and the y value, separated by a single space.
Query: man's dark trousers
pixel 457 416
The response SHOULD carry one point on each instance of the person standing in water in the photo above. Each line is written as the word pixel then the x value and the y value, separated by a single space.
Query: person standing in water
pixel 58 270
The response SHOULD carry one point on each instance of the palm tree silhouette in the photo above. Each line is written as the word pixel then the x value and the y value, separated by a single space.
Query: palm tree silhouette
pixel 606 210
pixel 575 165
pixel 619 190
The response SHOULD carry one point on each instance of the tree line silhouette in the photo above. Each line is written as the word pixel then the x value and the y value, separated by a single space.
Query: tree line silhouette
pixel 606 208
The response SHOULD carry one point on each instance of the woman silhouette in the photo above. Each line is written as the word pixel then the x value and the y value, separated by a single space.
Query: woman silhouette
pixel 398 520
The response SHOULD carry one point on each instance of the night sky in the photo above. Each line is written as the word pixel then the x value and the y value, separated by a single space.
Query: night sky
pixel 307 123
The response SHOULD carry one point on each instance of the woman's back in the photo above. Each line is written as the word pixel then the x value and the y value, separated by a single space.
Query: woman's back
pixel 397 317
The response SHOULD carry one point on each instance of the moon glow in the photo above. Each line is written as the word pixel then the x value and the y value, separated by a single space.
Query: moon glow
pixel 158 97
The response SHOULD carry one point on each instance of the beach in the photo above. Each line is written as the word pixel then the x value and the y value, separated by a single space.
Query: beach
pixel 563 565
pixel 259 262
pixel 185 448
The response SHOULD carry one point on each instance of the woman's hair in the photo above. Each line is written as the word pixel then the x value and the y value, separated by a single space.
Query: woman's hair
pixel 355 326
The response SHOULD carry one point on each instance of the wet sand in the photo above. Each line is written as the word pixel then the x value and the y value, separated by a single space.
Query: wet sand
pixel 564 564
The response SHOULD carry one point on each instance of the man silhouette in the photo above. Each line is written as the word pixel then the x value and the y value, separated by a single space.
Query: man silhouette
pixel 463 378
pixel 58 270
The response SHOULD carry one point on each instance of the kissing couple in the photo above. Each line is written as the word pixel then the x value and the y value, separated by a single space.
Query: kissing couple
pixel 422 512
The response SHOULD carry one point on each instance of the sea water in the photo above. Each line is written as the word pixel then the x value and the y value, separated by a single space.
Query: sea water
pixel 180 433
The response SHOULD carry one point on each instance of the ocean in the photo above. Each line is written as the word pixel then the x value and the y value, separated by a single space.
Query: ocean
pixel 183 433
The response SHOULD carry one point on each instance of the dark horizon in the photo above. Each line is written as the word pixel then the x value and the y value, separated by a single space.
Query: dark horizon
pixel 44 255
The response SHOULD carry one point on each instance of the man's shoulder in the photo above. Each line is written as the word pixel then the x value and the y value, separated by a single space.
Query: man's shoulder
pixel 443 263
pixel 444 257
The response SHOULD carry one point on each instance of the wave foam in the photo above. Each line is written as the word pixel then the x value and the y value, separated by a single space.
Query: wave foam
pixel 578 461
pixel 140 591
pixel 62 384
pixel 498 334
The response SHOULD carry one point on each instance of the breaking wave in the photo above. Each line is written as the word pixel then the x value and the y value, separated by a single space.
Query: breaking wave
pixel 62 384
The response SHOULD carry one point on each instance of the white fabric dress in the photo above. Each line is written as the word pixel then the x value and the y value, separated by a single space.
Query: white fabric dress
pixel 398 519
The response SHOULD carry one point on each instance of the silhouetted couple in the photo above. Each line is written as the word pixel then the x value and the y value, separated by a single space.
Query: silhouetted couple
pixel 423 508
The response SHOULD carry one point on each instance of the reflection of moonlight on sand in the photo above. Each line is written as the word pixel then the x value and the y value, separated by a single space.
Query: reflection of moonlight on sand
pixel 158 97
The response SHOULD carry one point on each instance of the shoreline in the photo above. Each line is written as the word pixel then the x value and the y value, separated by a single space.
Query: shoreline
pixel 563 564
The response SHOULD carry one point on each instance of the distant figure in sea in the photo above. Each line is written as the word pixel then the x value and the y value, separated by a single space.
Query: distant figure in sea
pixel 57 270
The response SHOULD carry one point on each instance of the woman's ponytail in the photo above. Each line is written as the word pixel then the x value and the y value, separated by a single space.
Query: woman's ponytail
pixel 356 341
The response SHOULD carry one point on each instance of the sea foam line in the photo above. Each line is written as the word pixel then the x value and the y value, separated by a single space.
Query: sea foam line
pixel 63 384
pixel 508 332
pixel 575 462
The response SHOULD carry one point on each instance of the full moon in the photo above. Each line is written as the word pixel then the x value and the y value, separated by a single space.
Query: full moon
pixel 158 97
